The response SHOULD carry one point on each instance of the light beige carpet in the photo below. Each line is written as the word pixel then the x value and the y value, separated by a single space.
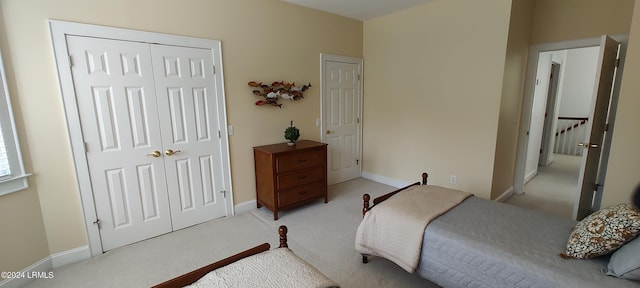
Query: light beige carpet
pixel 326 233
pixel 323 234
pixel 554 189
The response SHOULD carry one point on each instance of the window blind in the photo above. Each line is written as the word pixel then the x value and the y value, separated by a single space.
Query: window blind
pixel 4 159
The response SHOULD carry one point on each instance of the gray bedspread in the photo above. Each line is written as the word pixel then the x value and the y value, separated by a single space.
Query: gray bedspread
pixel 483 243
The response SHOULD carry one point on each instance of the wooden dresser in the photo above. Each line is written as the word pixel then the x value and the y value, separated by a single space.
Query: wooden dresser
pixel 288 176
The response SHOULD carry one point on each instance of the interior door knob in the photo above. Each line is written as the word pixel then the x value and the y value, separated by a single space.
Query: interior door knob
pixel 155 154
pixel 171 152
pixel 587 145
pixel 330 131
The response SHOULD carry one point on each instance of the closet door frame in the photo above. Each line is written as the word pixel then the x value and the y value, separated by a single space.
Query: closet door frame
pixel 59 30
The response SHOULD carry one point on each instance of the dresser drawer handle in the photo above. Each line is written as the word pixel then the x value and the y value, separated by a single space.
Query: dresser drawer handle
pixel 302 192
pixel 302 160
pixel 302 176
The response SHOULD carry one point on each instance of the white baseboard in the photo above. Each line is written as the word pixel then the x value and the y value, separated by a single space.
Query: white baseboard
pixel 47 265
pixel 530 176
pixel 245 207
pixel 251 205
pixel 385 180
pixel 504 196
pixel 70 256
pixel 42 266
pixel 399 184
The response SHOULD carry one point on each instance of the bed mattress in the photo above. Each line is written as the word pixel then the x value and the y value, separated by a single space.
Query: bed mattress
pixel 482 243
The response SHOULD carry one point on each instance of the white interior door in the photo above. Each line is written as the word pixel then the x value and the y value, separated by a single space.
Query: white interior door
pixel 596 127
pixel 537 115
pixel 550 118
pixel 342 98
pixel 189 125
pixel 150 124
pixel 117 105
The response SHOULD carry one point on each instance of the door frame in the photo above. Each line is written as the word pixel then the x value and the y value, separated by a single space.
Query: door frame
pixel 529 89
pixel 324 96
pixel 59 30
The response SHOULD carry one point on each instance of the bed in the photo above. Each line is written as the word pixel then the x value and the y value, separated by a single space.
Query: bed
pixel 267 268
pixel 482 243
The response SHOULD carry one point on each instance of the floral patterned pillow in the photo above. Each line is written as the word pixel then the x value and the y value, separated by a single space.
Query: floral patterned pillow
pixel 603 232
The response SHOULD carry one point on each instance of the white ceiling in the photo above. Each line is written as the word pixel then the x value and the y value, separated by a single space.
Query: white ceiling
pixel 358 9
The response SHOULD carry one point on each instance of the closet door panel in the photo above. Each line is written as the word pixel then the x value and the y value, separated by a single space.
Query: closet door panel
pixel 185 86
pixel 116 99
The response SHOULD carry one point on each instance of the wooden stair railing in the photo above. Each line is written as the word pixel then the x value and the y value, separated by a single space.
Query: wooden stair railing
pixel 574 126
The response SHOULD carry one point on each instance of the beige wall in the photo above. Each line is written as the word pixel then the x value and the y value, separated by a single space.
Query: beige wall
pixel 624 162
pixel 433 80
pixel 262 40
pixel 23 241
pixel 431 136
pixel 560 20
pixel 512 91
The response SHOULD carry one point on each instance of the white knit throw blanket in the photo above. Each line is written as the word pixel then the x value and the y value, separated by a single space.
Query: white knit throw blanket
pixel 279 268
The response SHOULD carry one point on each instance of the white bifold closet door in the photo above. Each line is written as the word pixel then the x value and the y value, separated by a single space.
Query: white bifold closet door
pixel 150 126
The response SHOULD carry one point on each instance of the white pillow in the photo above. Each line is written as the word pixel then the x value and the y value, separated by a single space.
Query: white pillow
pixel 625 262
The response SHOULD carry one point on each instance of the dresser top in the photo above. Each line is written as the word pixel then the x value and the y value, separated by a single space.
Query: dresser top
pixel 283 147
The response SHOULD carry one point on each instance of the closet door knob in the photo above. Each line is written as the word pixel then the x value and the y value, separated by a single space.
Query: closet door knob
pixel 171 152
pixel 155 154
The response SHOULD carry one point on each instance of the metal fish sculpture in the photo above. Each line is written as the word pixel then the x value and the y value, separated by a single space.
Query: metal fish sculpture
pixel 276 91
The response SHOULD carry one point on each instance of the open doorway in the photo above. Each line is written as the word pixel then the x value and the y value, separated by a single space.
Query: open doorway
pixel 563 94
pixel 553 127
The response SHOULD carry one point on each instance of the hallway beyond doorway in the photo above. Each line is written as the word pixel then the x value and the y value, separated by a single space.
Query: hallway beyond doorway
pixel 553 190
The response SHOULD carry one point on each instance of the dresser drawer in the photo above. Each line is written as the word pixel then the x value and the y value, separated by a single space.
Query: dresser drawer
pixel 306 176
pixel 300 193
pixel 306 159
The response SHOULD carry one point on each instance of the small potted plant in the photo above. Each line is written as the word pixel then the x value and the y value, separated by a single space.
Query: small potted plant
pixel 292 134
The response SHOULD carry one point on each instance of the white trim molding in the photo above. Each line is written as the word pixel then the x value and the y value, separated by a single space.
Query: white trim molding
pixel 246 207
pixel 42 266
pixel 70 256
pixel 385 180
pixel 504 196
pixel 46 265
pixel 16 179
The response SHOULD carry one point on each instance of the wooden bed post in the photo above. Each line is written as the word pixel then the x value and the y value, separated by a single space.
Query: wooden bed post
pixel 282 231
pixel 365 206
pixel 424 178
